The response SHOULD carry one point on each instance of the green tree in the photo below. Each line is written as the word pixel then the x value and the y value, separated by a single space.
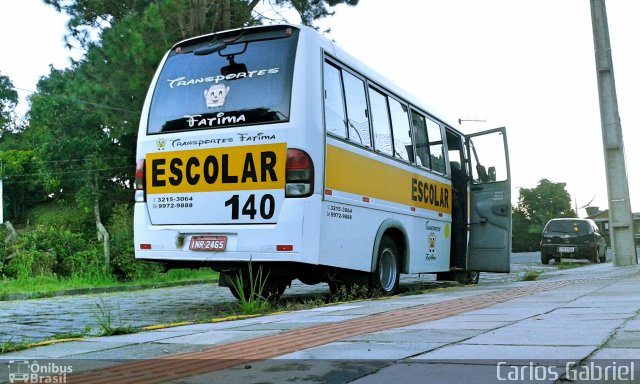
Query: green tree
pixel 21 187
pixel 8 102
pixel 535 207
pixel 194 17
pixel 79 162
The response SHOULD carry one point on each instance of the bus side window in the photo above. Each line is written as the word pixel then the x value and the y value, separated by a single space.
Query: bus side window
pixel 357 117
pixel 435 146
pixel 401 130
pixel 380 122
pixel 421 139
pixel 334 114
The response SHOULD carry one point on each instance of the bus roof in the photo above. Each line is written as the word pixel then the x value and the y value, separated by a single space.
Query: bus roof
pixel 346 58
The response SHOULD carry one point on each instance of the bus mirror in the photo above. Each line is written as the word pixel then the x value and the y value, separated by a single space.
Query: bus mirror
pixel 233 68
pixel 492 173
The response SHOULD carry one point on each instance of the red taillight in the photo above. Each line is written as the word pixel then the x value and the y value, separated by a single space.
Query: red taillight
pixel 299 178
pixel 140 174
pixel 139 183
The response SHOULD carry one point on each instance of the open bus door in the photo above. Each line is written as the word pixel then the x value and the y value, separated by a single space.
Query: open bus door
pixel 489 247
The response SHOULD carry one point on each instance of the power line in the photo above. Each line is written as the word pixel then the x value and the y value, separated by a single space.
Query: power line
pixel 114 178
pixel 74 160
pixel 55 173
pixel 77 100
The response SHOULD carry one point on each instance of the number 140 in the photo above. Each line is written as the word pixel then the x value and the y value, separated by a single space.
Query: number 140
pixel 267 206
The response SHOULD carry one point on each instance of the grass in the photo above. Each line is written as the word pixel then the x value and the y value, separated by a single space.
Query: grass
pixel 530 275
pixel 46 285
pixel 105 321
pixel 569 265
pixel 251 292
pixel 10 346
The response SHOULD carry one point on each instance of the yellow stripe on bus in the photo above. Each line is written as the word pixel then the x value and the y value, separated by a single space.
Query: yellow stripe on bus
pixel 349 172
pixel 254 167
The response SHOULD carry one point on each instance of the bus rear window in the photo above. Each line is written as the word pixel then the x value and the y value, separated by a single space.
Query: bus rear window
pixel 233 81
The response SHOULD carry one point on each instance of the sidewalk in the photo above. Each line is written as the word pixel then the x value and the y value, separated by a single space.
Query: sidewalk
pixel 586 317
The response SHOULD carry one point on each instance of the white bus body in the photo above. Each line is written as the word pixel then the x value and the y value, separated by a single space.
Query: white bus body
pixel 243 163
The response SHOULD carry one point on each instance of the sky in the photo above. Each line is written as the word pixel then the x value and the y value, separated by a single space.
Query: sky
pixel 525 64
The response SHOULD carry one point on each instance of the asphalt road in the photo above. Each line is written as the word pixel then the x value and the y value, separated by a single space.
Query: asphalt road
pixel 41 319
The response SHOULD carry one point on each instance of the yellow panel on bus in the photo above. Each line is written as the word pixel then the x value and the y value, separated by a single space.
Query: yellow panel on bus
pixel 353 173
pixel 255 167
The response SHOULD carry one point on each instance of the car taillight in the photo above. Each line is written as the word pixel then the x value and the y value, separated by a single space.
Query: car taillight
pixel 299 177
pixel 139 184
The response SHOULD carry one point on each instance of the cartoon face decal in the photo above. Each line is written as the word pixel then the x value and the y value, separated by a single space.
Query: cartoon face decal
pixel 215 95
pixel 432 241
pixel 161 143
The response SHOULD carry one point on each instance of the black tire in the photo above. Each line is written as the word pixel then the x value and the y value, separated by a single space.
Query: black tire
pixel 471 277
pixel 544 258
pixel 275 287
pixel 246 292
pixel 271 288
pixel 386 277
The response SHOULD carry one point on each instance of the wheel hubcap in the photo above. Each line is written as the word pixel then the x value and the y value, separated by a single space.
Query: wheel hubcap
pixel 387 270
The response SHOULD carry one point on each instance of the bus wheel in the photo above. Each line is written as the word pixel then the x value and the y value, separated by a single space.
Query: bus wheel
pixel 470 277
pixel 241 292
pixel 386 277
pixel 275 288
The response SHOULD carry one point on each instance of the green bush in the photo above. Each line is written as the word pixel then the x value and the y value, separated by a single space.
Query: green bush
pixel 63 215
pixel 30 263
pixel 88 263
pixel 525 242
pixel 123 263
pixel 42 251
pixel 62 243
pixel 5 251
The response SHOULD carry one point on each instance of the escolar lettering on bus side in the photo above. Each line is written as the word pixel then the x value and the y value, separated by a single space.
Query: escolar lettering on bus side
pixel 423 191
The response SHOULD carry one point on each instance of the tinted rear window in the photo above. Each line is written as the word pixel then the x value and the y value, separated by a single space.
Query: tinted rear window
pixel 568 226
pixel 247 82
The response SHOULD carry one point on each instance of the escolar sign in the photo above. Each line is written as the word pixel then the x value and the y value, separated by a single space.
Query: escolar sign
pixel 253 167
pixel 349 172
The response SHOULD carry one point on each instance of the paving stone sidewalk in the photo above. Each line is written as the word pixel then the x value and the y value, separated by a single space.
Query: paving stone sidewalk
pixel 35 320
pixel 582 316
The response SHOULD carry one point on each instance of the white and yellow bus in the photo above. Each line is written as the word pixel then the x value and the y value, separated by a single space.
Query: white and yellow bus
pixel 270 147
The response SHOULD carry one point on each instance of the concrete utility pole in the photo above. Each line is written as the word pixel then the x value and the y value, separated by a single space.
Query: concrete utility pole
pixel 620 217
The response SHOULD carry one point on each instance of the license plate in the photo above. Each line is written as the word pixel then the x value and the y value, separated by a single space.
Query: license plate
pixel 566 249
pixel 208 243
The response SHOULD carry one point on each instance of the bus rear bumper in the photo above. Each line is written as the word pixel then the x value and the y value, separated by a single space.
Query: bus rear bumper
pixel 281 242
